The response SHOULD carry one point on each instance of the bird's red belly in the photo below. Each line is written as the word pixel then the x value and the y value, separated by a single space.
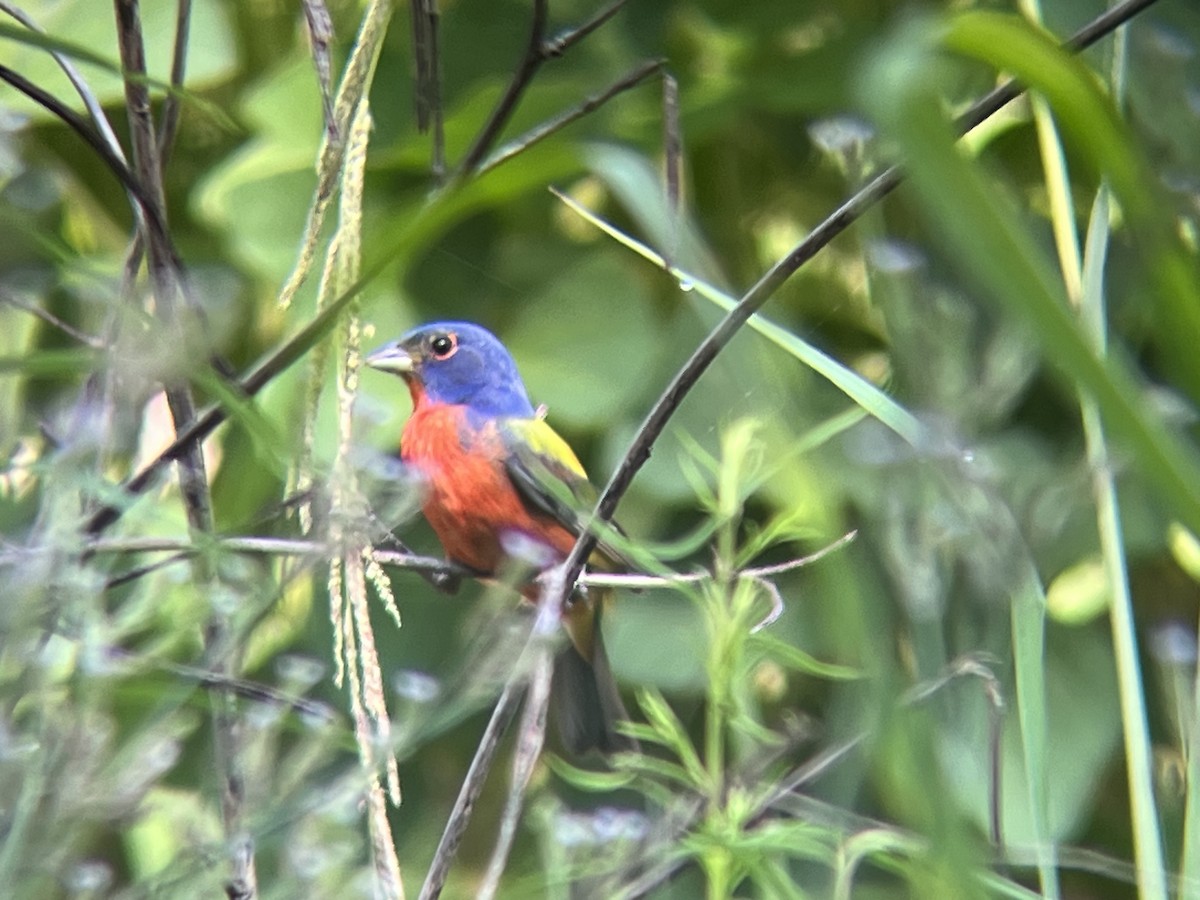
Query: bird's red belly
pixel 470 503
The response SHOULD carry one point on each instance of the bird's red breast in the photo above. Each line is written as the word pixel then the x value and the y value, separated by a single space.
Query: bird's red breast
pixel 471 503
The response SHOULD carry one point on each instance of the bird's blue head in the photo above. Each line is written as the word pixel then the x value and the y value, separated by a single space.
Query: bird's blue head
pixel 456 363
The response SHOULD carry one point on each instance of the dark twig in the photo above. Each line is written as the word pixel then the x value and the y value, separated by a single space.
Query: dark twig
pixel 166 279
pixel 468 794
pixel 532 735
pixel 163 264
pixel 169 126
pixel 561 43
pixel 841 219
pixel 251 690
pixel 168 129
pixel 434 89
pixel 427 81
pixel 90 101
pixel 537 50
pixel 250 385
pixel 110 157
pixel 49 318
pixel 589 105
pixel 422 41
pixel 526 69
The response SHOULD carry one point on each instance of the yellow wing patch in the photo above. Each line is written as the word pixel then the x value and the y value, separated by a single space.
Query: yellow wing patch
pixel 543 440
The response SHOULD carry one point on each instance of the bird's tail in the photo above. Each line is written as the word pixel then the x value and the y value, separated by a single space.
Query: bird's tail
pixel 584 700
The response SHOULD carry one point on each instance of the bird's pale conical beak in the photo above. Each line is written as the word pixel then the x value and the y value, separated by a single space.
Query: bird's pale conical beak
pixel 391 358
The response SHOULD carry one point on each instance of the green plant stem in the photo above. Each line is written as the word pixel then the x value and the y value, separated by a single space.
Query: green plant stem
pixel 1148 850
pixel 1029 662
pixel 716 858
pixel 1083 278
pixel 1189 867
pixel 718 867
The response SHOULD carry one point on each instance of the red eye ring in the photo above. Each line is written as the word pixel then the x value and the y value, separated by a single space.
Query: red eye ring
pixel 443 346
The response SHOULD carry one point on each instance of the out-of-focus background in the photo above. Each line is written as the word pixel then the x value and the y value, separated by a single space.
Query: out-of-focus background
pixel 1024 503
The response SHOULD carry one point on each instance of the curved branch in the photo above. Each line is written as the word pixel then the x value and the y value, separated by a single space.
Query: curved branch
pixel 841 219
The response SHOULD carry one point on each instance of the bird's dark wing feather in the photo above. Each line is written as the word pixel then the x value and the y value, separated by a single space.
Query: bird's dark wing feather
pixel 550 480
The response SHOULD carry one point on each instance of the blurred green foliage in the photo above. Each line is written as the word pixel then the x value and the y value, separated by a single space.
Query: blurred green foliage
pixel 958 454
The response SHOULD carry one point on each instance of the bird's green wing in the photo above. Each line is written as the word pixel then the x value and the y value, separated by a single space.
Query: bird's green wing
pixel 549 477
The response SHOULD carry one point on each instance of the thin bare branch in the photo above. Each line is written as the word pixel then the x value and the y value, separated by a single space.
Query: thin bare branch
pixel 169 126
pixel 163 263
pixel 468 794
pixel 266 546
pixel 589 105
pixel 781 568
pixel 537 51
pixel 50 319
pixel 90 101
pixel 166 278
pixel 422 51
pixel 841 219
pixel 251 690
pixel 564 41
pixel 168 129
pixel 113 159
pixel 532 735
pixel 428 78
pixel 425 564
pixel 526 69
pixel 434 89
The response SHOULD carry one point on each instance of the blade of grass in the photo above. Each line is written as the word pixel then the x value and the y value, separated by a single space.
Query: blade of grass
pixel 1029 668
pixel 1091 123
pixel 862 392
pixel 1139 757
pixel 1083 279
pixel 49 363
pixel 981 230
pixel 1189 865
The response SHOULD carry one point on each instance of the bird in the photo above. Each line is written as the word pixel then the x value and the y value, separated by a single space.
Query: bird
pixel 501 486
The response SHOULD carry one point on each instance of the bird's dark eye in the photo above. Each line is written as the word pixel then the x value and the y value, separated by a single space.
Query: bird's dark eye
pixel 442 346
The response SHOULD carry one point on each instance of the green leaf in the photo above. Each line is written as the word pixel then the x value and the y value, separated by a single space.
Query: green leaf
pixel 672 734
pixel 49 362
pixel 857 388
pixel 591 780
pixel 794 658
pixel 652 768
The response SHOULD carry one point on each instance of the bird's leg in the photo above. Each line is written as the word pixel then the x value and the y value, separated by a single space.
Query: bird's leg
pixel 447 580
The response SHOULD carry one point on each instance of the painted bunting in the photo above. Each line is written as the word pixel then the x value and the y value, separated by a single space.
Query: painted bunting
pixel 502 485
